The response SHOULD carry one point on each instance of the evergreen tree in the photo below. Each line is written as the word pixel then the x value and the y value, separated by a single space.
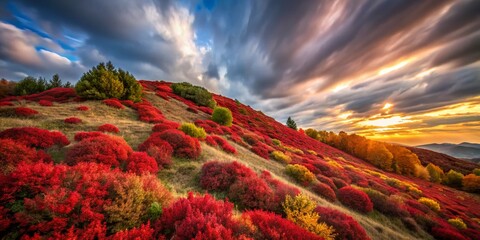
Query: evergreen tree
pixel 55 82
pixel 291 123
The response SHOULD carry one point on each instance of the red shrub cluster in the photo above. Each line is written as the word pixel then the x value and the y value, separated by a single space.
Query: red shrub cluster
pixel 261 150
pixel 142 232
pixel 82 108
pixel 345 226
pixel 325 191
pixel 212 127
pixel 83 135
pixel 35 137
pixel 183 145
pixel 272 226
pixel 72 120
pixel 339 183
pixel 54 95
pixel 217 176
pixel 251 193
pixel 62 202
pixel 148 113
pixel 25 112
pixel 192 110
pixel 327 181
pixel 45 103
pixel 113 102
pixel 109 150
pixel 198 217
pixel 5 103
pixel 355 199
pixel 214 140
pixel 163 95
pixel 281 190
pixel 165 125
pixel 141 162
pixel 108 128
pixel 446 234
pixel 13 153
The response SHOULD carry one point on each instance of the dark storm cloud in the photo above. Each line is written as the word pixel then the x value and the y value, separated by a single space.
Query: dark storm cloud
pixel 212 71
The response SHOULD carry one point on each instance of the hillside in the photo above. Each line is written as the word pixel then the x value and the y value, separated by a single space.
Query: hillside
pixel 463 150
pixel 446 162
pixel 59 190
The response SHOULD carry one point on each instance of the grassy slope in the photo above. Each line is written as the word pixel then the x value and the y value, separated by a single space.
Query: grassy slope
pixel 183 175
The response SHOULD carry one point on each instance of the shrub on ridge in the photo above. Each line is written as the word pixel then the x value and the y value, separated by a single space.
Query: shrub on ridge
pixel 222 116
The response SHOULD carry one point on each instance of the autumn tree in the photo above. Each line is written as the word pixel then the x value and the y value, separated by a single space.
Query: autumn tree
pixel 404 161
pixel 378 155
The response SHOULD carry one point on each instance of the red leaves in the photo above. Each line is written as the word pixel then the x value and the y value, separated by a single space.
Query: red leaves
pixel 108 128
pixel 109 150
pixel 148 113
pixel 214 141
pixel 82 135
pixel 355 199
pixel 73 120
pixel 25 112
pixel 45 103
pixel 35 137
pixel 272 226
pixel 217 176
pixel 165 125
pixel 82 108
pixel 345 226
pixel 113 102
pixel 140 162
pixel 198 217
pixel 12 153
pixel 325 191
pixel 183 145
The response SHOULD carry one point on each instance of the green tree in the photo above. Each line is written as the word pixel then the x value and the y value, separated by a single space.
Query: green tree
pixel 27 86
pixel 222 116
pixel 54 82
pixel 291 123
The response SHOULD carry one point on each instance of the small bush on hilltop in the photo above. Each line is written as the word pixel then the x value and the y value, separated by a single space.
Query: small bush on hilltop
pixel 222 116
pixel 299 173
pixel 355 199
pixel 198 95
pixel 430 203
pixel 104 82
pixel 345 226
pixel 193 131
pixel 300 210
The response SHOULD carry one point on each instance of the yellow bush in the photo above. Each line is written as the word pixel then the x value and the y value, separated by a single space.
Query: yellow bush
pixel 436 173
pixel 471 183
pixel 276 142
pixel 194 131
pixel 300 173
pixel 280 157
pixel 430 203
pixel 300 210
pixel 458 223
pixel 293 149
pixel 312 152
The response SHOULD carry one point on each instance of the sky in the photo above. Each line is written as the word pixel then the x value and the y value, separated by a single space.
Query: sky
pixel 392 70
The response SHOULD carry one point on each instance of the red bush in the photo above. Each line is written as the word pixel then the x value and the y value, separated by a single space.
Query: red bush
pixel 109 150
pixel 345 226
pixel 198 217
pixel 355 199
pixel 25 112
pixel 82 108
pixel 5 103
pixel 54 94
pixel 83 135
pixel 214 141
pixel 73 120
pixel 128 103
pixel 446 234
pixel 108 128
pixel 113 102
pixel 272 226
pixel 183 145
pixel 148 113
pixel 327 181
pixel 219 176
pixel 261 150
pixel 35 137
pixel 142 232
pixel 325 191
pixel 12 153
pixel 339 183
pixel 45 103
pixel 251 193
pixel 165 125
pixel 140 162
pixel 281 190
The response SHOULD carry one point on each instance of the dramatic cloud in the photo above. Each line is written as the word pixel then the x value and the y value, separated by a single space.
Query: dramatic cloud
pixel 332 65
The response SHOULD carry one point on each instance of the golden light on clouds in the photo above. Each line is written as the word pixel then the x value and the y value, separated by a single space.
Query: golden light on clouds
pixel 393 68
pixel 385 122
pixel 387 106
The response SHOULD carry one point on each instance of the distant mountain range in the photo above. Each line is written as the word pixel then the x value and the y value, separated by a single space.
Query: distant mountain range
pixel 465 150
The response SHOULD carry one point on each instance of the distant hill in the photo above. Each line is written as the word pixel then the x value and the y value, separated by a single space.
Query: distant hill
pixel 444 161
pixel 463 150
